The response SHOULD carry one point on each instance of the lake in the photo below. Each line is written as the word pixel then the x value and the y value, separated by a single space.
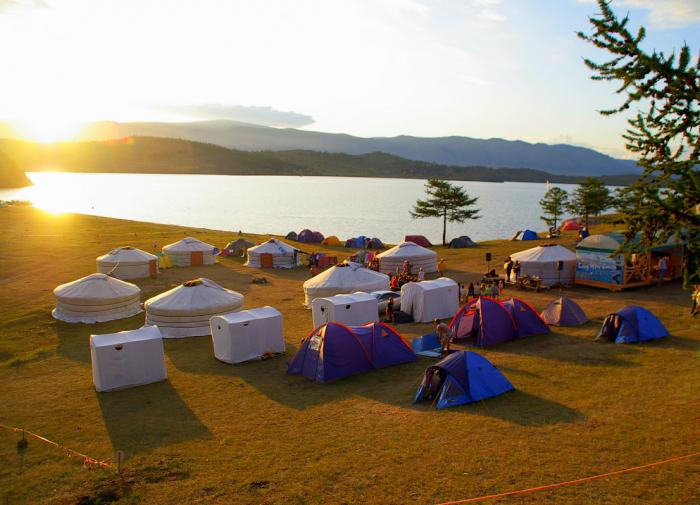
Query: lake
pixel 342 206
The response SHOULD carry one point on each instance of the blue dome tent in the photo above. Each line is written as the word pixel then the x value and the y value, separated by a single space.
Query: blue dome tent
pixel 462 377
pixel 632 324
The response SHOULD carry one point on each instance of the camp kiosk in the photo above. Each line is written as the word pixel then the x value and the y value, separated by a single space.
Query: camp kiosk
pixel 127 359
pixel 247 335
pixel 190 252
pixel 351 310
pixel 598 266
pixel 128 263
pixel 428 300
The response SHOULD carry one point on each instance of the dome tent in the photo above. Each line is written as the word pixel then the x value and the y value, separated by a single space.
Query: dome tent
pixel 345 278
pixel 95 299
pixel 333 351
pixel 632 324
pixel 421 240
pixel 310 237
pixel 332 240
pixel 374 243
pixel 185 310
pixel 190 252
pixel 525 235
pixel 462 377
pixel 128 263
pixel 416 255
pixel 282 255
pixel 485 320
pixel 237 247
pixel 527 320
pixel 462 242
pixel 543 262
pixel 570 225
pixel 564 312
pixel 292 235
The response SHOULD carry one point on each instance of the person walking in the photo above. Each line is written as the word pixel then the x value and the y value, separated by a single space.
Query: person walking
pixel 444 334
pixel 471 291
pixel 662 266
pixel 508 267
pixel 441 267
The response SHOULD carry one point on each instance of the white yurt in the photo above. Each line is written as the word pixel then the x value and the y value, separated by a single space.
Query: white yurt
pixel 544 262
pixel 345 278
pixel 428 300
pixel 247 335
pixel 185 311
pixel 190 252
pixel 128 358
pixel 128 263
pixel 416 255
pixel 273 253
pixel 351 310
pixel 95 299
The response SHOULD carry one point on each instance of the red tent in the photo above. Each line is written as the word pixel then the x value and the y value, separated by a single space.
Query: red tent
pixel 570 226
pixel 418 239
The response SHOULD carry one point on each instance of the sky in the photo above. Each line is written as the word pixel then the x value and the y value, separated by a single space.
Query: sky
pixel 510 69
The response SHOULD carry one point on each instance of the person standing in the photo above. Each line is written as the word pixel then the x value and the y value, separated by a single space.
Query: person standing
pixel 444 334
pixel 390 317
pixel 508 267
pixel 516 270
pixel 441 267
pixel 421 274
pixel 471 291
pixel 662 266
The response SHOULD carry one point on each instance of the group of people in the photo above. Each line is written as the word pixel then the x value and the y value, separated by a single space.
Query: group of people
pixel 511 267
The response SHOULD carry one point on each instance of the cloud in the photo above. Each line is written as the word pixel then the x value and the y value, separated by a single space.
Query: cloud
pixel 491 15
pixel 260 115
pixel 15 5
pixel 663 13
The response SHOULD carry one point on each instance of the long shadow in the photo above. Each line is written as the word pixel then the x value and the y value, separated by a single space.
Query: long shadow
pixel 74 338
pixel 567 348
pixel 680 343
pixel 525 409
pixel 147 417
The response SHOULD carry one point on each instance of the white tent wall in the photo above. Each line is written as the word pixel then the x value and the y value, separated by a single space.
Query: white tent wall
pixel 181 252
pixel 128 263
pixel 351 310
pixel 127 359
pixel 428 300
pixel 543 261
pixel 247 335
pixel 121 271
pixel 417 256
pixel 283 255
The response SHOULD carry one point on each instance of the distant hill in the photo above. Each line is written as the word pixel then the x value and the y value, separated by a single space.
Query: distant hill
pixel 176 156
pixel 458 151
pixel 11 176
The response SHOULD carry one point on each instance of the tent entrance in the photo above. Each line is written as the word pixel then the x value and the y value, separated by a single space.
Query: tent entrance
pixel 197 258
pixel 469 324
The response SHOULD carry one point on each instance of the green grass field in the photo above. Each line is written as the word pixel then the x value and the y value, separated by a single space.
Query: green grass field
pixel 217 433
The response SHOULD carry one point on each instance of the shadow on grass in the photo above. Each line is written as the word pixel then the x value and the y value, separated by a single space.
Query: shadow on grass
pixel 571 349
pixel 74 338
pixel 680 343
pixel 525 409
pixel 147 417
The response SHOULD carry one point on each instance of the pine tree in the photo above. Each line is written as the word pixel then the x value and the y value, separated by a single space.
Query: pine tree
pixel 445 200
pixel 664 133
pixel 590 198
pixel 553 204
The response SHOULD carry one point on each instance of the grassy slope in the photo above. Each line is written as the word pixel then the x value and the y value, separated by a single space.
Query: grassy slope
pixel 212 431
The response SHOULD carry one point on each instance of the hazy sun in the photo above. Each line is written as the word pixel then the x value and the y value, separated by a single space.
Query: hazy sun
pixel 46 131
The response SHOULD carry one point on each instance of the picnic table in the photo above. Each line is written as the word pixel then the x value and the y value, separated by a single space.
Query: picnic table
pixel 526 282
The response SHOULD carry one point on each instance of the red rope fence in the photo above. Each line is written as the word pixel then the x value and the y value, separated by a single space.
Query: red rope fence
pixel 571 482
pixel 87 460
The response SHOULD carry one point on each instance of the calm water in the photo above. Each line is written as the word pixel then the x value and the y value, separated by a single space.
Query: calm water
pixel 344 207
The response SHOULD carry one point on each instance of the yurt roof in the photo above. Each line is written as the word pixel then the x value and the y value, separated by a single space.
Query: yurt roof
pixel 407 250
pixel 126 255
pixel 348 275
pixel 272 246
pixel 194 298
pixel 188 244
pixel 544 254
pixel 96 286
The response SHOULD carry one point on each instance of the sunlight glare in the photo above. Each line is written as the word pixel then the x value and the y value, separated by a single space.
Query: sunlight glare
pixel 47 130
pixel 55 193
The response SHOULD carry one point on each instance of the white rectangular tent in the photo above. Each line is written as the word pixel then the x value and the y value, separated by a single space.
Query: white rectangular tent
pixel 127 359
pixel 351 310
pixel 428 300
pixel 247 335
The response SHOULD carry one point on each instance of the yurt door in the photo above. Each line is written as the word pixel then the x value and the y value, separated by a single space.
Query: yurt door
pixel 266 260
pixel 197 258
pixel 153 268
